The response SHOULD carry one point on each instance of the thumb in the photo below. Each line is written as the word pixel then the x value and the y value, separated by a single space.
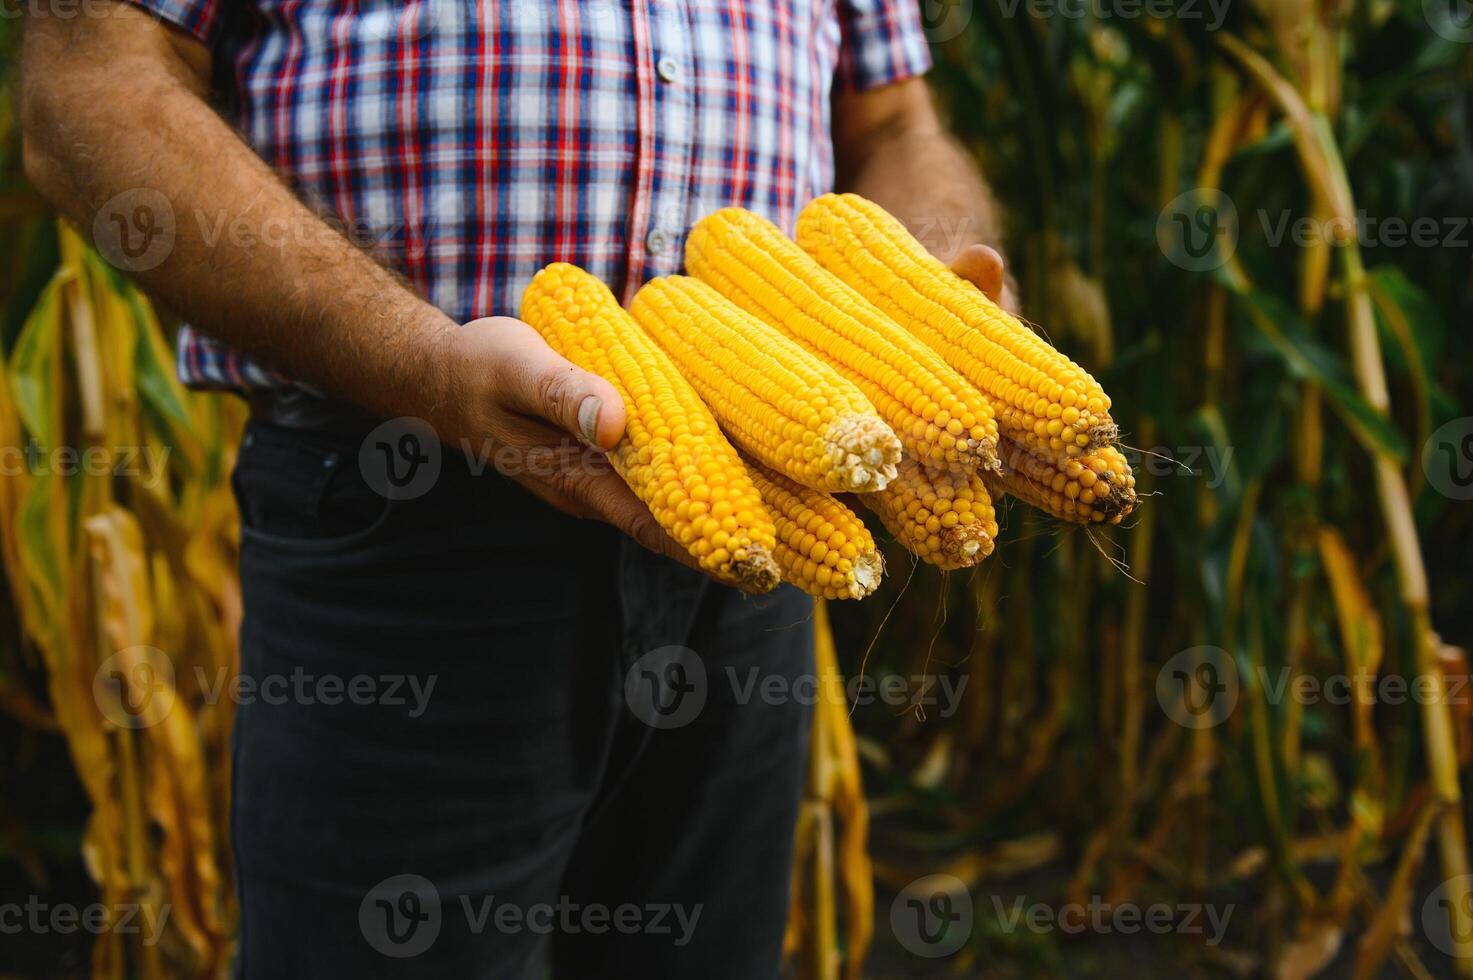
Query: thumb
pixel 983 267
pixel 539 382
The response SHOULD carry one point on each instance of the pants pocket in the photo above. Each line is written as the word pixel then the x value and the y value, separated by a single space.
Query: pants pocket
pixel 304 491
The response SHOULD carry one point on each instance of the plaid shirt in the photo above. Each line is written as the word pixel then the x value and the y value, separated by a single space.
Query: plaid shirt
pixel 471 142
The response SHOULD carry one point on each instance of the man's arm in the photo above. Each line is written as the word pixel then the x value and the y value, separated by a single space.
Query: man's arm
pixel 114 104
pixel 111 104
pixel 892 148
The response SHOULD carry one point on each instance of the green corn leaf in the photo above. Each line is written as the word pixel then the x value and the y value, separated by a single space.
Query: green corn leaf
pixel 1309 360
pixel 35 367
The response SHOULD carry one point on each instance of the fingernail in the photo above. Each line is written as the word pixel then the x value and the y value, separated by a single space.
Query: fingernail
pixel 588 419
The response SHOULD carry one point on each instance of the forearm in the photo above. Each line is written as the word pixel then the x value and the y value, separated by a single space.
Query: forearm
pixel 927 180
pixel 892 149
pixel 249 263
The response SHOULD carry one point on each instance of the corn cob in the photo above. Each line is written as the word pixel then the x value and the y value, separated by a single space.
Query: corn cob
pixel 672 455
pixel 937 414
pixel 945 518
pixel 1042 399
pixel 822 546
pixel 774 399
pixel 1095 488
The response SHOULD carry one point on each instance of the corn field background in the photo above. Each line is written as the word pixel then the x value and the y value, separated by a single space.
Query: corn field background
pixel 1247 714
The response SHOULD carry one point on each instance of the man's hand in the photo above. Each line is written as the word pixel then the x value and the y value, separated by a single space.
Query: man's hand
pixel 894 150
pixel 526 398
pixel 117 104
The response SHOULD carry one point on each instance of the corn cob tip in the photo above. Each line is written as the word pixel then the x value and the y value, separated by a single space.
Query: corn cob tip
pixel 1075 444
pixel 1104 434
pixel 868 570
pixel 822 546
pixel 756 571
pixel 944 517
pixel 963 547
pixel 864 451
pixel 975 453
pixel 1095 487
pixel 987 456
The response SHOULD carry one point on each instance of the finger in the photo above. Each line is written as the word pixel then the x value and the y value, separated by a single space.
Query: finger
pixel 983 266
pixel 611 500
pixel 533 379
pixel 559 500
pixel 616 505
pixel 587 486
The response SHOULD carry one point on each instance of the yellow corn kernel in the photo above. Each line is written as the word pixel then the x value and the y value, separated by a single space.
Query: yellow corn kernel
pixel 945 518
pixel 775 400
pixel 937 414
pixel 1095 488
pixel 822 546
pixel 1041 399
pixel 672 454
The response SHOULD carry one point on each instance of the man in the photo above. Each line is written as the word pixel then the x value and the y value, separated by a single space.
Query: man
pixel 344 201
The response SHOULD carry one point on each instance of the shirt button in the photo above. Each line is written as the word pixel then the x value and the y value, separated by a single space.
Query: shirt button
pixel 667 68
pixel 657 242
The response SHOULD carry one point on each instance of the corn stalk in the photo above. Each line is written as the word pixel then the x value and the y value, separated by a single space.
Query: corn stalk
pixel 122 571
pixel 1325 169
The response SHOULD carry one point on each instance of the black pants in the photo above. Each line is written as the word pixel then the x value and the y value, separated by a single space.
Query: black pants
pixel 439 769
